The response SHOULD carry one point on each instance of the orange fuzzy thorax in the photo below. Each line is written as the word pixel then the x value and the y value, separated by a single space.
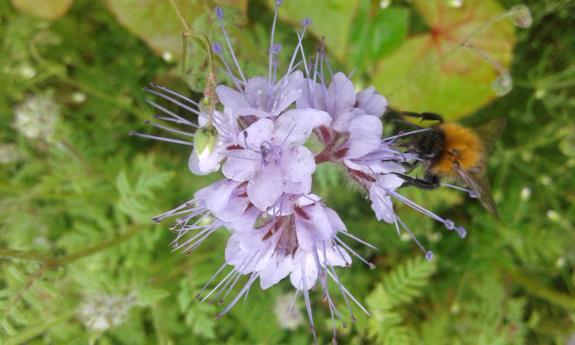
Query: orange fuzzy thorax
pixel 462 145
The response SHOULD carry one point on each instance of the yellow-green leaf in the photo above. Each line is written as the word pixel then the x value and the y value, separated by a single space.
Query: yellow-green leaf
pixel 45 9
pixel 433 72
pixel 330 19
pixel 156 21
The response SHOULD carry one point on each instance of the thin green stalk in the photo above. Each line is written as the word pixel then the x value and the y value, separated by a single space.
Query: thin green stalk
pixel 64 260
pixel 162 336
pixel 22 255
pixel 536 288
pixel 134 230
pixel 50 263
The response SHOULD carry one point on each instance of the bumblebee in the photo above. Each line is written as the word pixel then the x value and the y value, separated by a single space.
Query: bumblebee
pixel 450 150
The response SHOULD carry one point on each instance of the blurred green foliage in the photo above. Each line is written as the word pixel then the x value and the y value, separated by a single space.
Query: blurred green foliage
pixel 81 262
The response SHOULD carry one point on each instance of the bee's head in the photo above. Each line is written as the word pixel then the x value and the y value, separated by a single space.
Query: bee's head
pixel 429 145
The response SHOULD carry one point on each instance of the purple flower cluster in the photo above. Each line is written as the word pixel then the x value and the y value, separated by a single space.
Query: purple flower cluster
pixel 259 137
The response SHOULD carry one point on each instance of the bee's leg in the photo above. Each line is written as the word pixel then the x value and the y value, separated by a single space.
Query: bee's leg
pixel 395 116
pixel 409 166
pixel 425 116
pixel 429 182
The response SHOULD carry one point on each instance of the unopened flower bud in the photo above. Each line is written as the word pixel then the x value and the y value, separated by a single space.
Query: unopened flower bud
pixel 205 140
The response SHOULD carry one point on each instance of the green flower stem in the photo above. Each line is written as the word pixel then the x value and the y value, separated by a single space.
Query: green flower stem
pixel 22 254
pixel 538 289
pixel 204 42
pixel 159 322
pixel 98 247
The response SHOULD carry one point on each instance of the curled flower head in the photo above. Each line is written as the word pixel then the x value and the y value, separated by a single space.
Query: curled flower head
pixel 257 135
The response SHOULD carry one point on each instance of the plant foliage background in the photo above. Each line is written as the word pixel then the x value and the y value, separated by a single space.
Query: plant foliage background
pixel 81 261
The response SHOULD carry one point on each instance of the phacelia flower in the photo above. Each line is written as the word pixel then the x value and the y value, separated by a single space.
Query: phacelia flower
pixel 273 159
pixel 258 136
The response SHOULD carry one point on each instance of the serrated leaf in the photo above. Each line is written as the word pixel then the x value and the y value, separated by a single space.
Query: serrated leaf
pixel 398 287
pixel 136 199
pixel 148 296
pixel 405 282
pixel 433 72
pixel 331 19
pixel 45 9
pixel 200 318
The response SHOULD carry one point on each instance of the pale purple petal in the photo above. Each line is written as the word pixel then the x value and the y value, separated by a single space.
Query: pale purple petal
pixel 372 102
pixel 233 253
pixel 364 135
pixel 334 220
pixel 241 165
pixel 312 96
pixel 249 244
pixel 251 241
pixel 306 200
pixel 320 222
pixel 231 98
pixel 305 271
pixel 287 91
pixel 258 91
pixel 221 200
pixel 336 256
pixel 305 234
pixel 340 95
pixel 206 162
pixel 381 202
pixel 253 112
pixel 245 223
pixel 298 187
pixel 390 181
pixel 257 133
pixel 298 164
pixel 374 166
pixel 266 187
pixel 341 123
pixel 314 230
pixel 295 126
pixel 276 269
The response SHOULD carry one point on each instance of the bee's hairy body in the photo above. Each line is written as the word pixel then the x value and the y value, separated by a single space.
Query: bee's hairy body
pixel 456 146
pixel 449 150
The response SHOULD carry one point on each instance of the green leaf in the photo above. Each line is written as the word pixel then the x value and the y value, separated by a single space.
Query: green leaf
pixel 331 19
pixel 137 199
pixel 45 9
pixel 406 281
pixel 399 287
pixel 156 22
pixel 148 296
pixel 433 72
pixel 376 33
pixel 200 317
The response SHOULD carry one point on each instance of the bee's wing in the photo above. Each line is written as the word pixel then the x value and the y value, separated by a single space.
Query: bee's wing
pixel 480 186
pixel 490 132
